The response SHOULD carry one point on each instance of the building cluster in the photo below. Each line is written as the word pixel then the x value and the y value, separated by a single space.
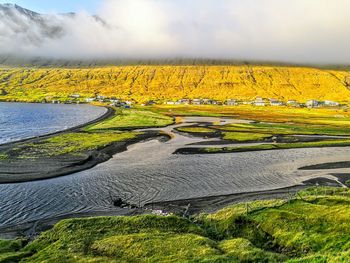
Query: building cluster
pixel 259 101
pixel 195 102
pixel 113 101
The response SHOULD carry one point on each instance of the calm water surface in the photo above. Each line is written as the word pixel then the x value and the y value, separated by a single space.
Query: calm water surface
pixel 21 120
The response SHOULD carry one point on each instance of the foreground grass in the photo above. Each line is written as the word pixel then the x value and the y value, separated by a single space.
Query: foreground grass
pixel 133 118
pixel 69 143
pixel 310 227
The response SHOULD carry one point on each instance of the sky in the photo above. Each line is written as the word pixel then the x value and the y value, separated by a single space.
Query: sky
pixel 61 6
pixel 296 31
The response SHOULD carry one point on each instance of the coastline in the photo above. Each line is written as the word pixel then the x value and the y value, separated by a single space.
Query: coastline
pixel 67 164
pixel 25 170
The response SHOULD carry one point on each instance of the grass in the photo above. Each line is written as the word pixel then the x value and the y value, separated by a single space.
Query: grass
pixel 287 129
pixel 313 226
pixel 133 118
pixel 69 143
pixel 312 229
pixel 245 136
pixel 275 146
pixel 195 130
pixel 10 250
pixel 337 117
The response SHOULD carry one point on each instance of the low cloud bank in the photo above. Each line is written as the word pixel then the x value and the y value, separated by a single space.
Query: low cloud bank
pixel 298 31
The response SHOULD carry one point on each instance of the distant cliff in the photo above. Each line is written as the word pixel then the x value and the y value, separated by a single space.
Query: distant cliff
pixel 142 83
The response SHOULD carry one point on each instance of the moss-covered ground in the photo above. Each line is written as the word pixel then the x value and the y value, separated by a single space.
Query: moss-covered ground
pixel 274 146
pixel 312 226
pixel 339 117
pixel 68 143
pixel 279 135
pixel 131 119
pixel 93 137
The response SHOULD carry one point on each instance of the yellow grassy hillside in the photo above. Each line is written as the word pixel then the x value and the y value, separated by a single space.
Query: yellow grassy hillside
pixel 142 83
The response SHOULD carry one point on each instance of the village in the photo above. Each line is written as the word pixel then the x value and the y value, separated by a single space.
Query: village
pixel 258 101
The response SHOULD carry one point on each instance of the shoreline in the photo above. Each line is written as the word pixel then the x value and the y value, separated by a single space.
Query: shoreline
pixel 52 167
pixel 92 159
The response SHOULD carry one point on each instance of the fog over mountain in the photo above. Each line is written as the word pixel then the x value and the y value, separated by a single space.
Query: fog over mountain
pixel 298 31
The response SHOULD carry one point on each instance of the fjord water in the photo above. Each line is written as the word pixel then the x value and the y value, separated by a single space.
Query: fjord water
pixel 21 120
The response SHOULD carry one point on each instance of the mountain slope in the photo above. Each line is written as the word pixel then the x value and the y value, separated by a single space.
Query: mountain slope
pixel 142 83
pixel 28 26
pixel 22 29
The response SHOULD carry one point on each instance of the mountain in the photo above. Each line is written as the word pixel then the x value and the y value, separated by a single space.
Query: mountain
pixel 143 83
pixel 28 26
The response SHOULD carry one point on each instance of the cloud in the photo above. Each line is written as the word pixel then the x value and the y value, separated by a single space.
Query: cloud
pixel 312 31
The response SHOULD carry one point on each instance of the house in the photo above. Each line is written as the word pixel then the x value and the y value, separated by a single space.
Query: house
pixel 183 101
pixel 210 102
pixel 170 102
pixel 115 100
pixel 259 101
pixel 293 103
pixel 100 98
pixel 75 96
pixel 206 101
pixel 247 102
pixel 231 102
pixel 116 103
pixel 275 102
pixel 88 100
pixel 331 103
pixel 196 101
pixel 56 102
pixel 312 103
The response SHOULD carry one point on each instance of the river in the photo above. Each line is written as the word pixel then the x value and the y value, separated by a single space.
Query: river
pixel 150 172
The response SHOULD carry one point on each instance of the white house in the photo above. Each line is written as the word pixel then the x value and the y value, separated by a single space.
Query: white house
pixel 275 102
pixel 293 103
pixel 88 100
pixel 183 101
pixel 196 101
pixel 331 103
pixel 312 103
pixel 259 101
pixel 231 102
